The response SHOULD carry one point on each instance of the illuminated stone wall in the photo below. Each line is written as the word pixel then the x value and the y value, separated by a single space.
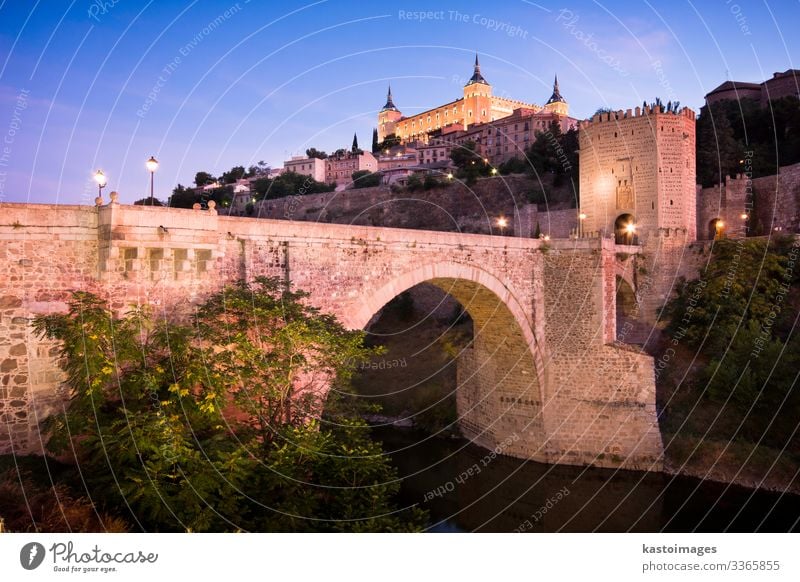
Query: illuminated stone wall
pixel 544 369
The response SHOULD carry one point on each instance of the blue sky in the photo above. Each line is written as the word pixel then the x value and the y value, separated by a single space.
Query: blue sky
pixel 205 85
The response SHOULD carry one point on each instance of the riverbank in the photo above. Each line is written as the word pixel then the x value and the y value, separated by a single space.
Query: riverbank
pixel 736 463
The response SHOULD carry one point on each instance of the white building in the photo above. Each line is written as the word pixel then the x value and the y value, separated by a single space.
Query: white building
pixel 313 167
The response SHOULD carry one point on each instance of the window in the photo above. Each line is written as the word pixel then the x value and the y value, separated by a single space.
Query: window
pixel 156 256
pixel 128 256
pixel 203 257
pixel 179 258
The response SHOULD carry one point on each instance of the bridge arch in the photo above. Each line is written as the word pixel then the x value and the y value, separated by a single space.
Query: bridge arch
pixel 500 376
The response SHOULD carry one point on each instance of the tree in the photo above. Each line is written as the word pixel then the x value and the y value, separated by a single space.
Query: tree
pixel 203 178
pixel 146 418
pixel 260 169
pixel 148 202
pixel 742 333
pixel 366 179
pixel 414 183
pixel 375 145
pixel 355 149
pixel 470 165
pixel 718 151
pixel 235 173
pixel 315 153
pixel 182 197
pixel 389 142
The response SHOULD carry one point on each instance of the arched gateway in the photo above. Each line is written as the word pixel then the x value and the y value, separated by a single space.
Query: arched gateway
pixel 544 378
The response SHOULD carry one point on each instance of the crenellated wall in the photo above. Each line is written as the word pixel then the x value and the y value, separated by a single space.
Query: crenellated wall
pixel 772 204
pixel 544 365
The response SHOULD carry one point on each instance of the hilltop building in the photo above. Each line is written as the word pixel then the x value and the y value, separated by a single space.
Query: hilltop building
pixel 786 84
pixel 476 106
pixel 312 167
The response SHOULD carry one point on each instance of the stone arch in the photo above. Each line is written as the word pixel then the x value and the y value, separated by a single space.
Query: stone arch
pixel 500 377
pixel 716 228
pixel 624 233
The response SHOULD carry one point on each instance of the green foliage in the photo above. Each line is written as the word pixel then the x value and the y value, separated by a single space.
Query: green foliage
pixel 203 179
pixel 207 426
pixel 366 179
pixel 430 182
pixel 469 164
pixel 414 183
pixel 235 173
pixel 389 142
pixel 727 129
pixel 375 144
pixel 513 166
pixel 148 202
pixel 289 184
pixel 739 319
pixel 315 153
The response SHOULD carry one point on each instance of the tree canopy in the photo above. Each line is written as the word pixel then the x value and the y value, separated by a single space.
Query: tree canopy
pixel 211 424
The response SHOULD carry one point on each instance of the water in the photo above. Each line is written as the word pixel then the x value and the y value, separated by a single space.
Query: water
pixel 510 495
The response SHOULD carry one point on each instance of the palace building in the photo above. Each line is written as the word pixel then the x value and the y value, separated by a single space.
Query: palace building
pixel 476 106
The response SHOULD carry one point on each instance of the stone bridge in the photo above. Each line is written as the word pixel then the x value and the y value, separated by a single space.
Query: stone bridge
pixel 544 367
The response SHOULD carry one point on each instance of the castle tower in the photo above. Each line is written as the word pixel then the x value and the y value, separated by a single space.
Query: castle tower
pixel 387 117
pixel 477 98
pixel 557 104
pixel 637 175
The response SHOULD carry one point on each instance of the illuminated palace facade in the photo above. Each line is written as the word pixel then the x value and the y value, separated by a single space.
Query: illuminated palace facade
pixel 477 106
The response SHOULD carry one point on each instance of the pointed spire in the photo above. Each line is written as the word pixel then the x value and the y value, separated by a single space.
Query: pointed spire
pixel 354 149
pixel 389 102
pixel 476 74
pixel 556 96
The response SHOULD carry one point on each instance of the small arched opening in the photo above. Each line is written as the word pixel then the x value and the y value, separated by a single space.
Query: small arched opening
pixel 716 228
pixel 625 230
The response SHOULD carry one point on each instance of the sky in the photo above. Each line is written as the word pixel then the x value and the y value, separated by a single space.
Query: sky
pixel 207 85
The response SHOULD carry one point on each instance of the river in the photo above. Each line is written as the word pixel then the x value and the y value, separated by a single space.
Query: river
pixel 506 494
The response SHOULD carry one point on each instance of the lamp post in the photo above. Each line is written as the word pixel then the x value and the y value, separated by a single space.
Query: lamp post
pixel 152 166
pixel 581 218
pixel 100 178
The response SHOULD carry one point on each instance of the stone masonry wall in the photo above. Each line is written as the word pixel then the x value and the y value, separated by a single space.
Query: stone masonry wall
pixel 773 203
pixel 532 320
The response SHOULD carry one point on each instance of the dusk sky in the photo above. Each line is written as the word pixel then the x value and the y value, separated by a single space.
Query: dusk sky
pixel 208 85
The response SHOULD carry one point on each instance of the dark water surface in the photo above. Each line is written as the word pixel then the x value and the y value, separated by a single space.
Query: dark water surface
pixel 509 494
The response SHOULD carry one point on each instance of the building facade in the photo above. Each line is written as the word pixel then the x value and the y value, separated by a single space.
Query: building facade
pixel 313 167
pixel 477 105
pixel 785 84
pixel 339 169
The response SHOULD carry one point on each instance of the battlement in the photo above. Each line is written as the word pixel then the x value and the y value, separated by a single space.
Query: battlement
pixel 619 115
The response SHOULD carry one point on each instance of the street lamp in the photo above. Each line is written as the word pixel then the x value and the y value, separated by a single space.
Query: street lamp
pixel 152 166
pixel 502 223
pixel 100 178
pixel 450 175
pixel 745 216
pixel 494 171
